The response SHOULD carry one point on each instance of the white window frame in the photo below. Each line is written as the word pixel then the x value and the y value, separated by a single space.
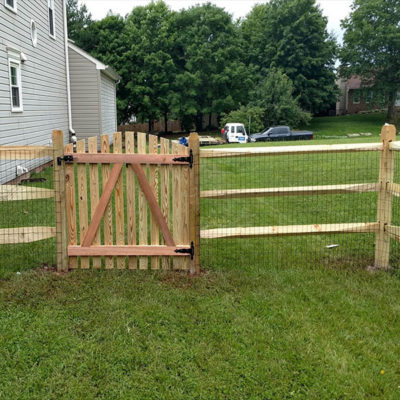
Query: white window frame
pixel 369 97
pixel 15 63
pixel 34 33
pixel 13 9
pixel 51 6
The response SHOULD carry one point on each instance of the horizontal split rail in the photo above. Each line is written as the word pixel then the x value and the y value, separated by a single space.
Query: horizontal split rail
pixel 288 150
pixel 290 191
pixel 289 230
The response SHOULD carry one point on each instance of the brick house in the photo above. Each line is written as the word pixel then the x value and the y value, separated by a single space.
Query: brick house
pixel 354 99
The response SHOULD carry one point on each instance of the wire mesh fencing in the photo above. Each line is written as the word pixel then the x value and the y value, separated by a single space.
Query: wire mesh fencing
pixel 313 209
pixel 27 209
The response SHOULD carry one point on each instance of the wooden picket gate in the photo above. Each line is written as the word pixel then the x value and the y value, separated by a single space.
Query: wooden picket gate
pixel 131 209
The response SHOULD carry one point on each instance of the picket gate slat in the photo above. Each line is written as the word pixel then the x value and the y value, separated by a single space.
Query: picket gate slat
pixel 94 194
pixel 143 229
pixel 71 205
pixel 108 217
pixel 82 201
pixel 165 195
pixel 131 198
pixel 153 177
pixel 119 203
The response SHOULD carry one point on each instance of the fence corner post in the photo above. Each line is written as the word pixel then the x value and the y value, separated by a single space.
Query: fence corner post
pixel 60 203
pixel 194 202
pixel 386 172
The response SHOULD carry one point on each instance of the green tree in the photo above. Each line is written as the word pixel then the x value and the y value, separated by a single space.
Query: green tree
pixel 292 35
pixel 371 48
pixel 272 103
pixel 78 19
pixel 243 114
pixel 149 61
pixel 274 95
pixel 212 77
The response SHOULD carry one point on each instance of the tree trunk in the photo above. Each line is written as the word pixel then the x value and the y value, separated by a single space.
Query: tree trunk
pixel 392 116
pixel 151 125
pixel 209 121
pixel 199 122
pixel 166 123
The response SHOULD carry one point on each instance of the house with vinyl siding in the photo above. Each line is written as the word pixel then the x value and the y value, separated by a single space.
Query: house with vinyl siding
pixel 35 88
pixel 33 75
pixel 93 94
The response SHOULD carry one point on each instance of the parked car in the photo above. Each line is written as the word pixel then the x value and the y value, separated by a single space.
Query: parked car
pixel 280 133
pixel 235 133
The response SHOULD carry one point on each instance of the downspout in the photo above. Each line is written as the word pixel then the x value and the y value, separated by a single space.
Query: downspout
pixel 71 129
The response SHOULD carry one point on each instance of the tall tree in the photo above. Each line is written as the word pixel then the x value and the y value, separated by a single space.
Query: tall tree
pixel 78 19
pixel 371 47
pixel 212 77
pixel 292 35
pixel 149 61
pixel 106 40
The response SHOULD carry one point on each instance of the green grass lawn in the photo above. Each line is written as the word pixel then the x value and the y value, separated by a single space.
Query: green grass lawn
pixel 280 318
pixel 341 126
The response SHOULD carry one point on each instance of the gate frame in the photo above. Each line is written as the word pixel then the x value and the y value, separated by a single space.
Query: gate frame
pixel 135 161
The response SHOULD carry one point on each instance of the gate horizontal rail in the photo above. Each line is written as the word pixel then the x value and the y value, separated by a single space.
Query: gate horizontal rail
pixel 161 159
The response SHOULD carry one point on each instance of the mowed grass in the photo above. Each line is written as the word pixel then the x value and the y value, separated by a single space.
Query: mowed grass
pixel 276 333
pixel 280 318
pixel 343 125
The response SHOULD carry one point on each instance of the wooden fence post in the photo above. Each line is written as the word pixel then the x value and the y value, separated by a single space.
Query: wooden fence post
pixel 386 171
pixel 194 202
pixel 60 203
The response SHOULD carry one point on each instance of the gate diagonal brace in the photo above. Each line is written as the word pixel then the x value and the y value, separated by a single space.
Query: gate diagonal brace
pixel 187 251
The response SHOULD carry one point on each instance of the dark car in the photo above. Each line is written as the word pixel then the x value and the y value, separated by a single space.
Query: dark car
pixel 280 133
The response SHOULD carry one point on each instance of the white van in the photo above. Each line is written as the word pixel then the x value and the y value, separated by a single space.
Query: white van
pixel 235 133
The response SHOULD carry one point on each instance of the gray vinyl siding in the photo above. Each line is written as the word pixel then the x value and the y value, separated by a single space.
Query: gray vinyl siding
pixel 43 77
pixel 108 105
pixel 85 99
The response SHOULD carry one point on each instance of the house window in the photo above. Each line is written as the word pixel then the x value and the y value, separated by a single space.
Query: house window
pixel 398 99
pixel 368 96
pixel 52 31
pixel 356 97
pixel 11 5
pixel 15 86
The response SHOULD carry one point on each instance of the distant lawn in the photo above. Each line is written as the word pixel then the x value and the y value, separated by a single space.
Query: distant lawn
pixel 341 126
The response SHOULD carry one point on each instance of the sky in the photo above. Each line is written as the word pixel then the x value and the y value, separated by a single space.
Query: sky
pixel 335 10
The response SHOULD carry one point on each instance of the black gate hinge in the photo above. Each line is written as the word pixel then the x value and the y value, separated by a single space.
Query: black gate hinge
pixel 185 159
pixel 187 251
pixel 65 158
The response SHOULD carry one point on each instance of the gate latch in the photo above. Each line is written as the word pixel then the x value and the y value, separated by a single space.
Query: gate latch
pixel 185 159
pixel 65 158
pixel 187 251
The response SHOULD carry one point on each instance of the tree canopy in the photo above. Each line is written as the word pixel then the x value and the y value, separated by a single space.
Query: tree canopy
pixel 291 35
pixel 78 18
pixel 371 47
pixel 198 61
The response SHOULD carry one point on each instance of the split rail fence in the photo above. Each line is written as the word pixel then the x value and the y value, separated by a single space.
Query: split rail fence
pixel 385 188
pixel 139 205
